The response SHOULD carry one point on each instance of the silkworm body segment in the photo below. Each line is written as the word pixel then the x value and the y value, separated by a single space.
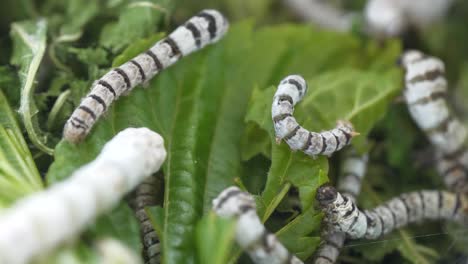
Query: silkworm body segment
pixel 262 246
pixel 290 91
pixel 43 220
pixel 425 94
pixel 343 214
pixel 205 28
pixel 352 172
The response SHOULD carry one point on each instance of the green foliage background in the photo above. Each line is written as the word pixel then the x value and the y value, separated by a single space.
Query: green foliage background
pixel 213 110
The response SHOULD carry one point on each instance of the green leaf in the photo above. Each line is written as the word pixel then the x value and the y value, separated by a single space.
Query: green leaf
pixel 29 39
pixel 295 237
pixel 138 19
pixel 214 238
pixel 199 107
pixel 18 173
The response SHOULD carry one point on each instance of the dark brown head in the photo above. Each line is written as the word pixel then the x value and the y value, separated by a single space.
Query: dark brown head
pixel 326 195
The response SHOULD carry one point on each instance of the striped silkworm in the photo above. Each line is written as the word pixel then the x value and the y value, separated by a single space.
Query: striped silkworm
pixel 42 221
pixel 389 18
pixel 290 91
pixel 261 245
pixel 145 195
pixel 352 172
pixel 343 215
pixel 426 96
pixel 205 28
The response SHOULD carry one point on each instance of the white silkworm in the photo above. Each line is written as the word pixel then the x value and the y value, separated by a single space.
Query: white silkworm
pixel 262 246
pixel 353 170
pixel 343 215
pixel 290 91
pixel 388 18
pixel 145 195
pixel 425 94
pixel 205 28
pixel 42 221
pixel 112 251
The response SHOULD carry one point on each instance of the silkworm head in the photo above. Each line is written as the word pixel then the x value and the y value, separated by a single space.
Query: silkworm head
pixel 326 195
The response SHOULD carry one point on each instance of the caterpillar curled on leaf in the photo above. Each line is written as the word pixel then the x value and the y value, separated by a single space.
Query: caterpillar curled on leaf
pixel 59 213
pixel 425 94
pixel 290 91
pixel 145 195
pixel 261 245
pixel 342 214
pixel 353 169
pixel 205 28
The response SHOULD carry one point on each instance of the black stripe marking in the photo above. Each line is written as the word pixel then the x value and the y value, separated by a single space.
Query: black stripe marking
pixel 99 100
pixel 457 204
pixel 456 167
pixel 456 154
pixel 408 211
pixel 292 133
pixel 393 215
pixel 324 144
pixel 308 142
pixel 337 142
pixel 174 47
pixel 423 203
pixel 195 33
pixel 77 125
pixel 280 117
pixel 427 76
pixel 289 258
pixel 227 196
pixel 88 110
pixel 79 121
pixel 264 239
pixel 140 70
pixel 327 258
pixel 432 97
pixel 108 86
pixel 440 202
pixel 245 208
pixel 297 84
pixel 382 225
pixel 285 97
pixel 351 227
pixel 442 126
pixel 156 61
pixel 353 207
pixel 125 77
pixel 332 243
pixel 347 135
pixel 211 23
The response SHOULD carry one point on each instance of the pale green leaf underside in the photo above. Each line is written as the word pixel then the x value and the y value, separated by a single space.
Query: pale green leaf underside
pixel 18 173
pixel 29 42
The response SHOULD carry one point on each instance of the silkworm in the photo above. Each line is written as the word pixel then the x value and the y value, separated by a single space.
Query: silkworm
pixel 146 195
pixel 205 28
pixel 454 170
pixel 343 215
pixel 387 18
pixel 353 170
pixel 43 220
pixel 262 246
pixel 425 94
pixel 111 251
pixel 290 91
